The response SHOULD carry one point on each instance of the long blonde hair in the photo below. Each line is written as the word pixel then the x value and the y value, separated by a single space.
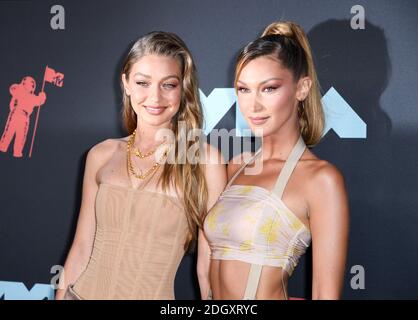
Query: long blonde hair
pixel 287 42
pixel 188 178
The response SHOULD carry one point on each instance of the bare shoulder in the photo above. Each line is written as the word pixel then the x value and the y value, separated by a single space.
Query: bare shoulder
pixel 101 153
pixel 323 176
pixel 327 198
pixel 327 174
pixel 104 149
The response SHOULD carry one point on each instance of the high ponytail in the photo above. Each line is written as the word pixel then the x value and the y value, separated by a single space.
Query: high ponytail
pixel 289 44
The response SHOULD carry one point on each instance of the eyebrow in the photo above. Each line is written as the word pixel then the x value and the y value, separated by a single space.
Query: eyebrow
pixel 262 82
pixel 148 76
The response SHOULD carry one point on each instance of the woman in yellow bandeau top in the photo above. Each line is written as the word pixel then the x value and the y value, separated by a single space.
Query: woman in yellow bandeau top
pixel 143 200
pixel 283 197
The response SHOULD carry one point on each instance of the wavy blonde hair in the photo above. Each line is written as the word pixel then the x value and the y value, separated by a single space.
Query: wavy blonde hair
pixel 288 43
pixel 188 179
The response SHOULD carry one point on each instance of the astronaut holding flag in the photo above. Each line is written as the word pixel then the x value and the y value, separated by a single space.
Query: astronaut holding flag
pixel 22 103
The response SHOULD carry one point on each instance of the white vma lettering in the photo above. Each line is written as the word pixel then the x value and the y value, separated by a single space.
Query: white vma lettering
pixel 216 105
pixel 339 115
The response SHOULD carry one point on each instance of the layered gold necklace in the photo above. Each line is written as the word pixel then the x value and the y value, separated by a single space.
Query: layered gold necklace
pixel 138 153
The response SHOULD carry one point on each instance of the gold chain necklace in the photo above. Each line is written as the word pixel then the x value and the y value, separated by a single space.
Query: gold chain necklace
pixel 129 161
pixel 141 155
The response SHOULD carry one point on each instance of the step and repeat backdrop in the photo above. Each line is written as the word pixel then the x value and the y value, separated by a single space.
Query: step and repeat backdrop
pixel 60 95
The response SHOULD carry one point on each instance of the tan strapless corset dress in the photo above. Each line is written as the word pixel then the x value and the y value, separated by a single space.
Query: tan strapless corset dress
pixel 138 246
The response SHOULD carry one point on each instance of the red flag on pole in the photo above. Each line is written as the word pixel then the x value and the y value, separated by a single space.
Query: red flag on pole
pixel 53 77
pixel 57 79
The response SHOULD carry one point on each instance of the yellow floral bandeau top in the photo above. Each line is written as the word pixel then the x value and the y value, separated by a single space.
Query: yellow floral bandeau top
pixel 253 224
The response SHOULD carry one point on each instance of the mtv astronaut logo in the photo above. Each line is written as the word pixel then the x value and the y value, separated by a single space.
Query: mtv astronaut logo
pixel 21 106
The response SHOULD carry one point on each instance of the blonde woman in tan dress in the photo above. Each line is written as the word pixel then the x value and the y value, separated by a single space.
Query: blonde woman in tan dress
pixel 140 211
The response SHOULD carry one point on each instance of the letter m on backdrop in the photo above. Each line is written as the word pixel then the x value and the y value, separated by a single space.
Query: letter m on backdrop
pixel 339 115
pixel 18 291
